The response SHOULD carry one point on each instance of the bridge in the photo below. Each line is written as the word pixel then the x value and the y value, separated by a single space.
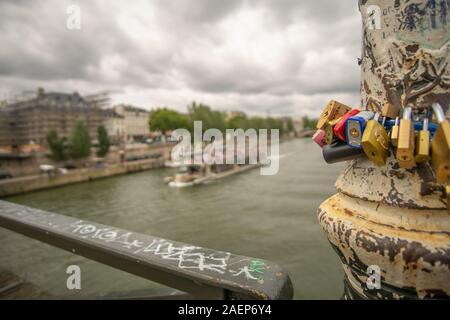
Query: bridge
pixel 194 272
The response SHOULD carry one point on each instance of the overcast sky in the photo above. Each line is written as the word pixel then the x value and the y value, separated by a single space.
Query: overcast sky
pixel 286 57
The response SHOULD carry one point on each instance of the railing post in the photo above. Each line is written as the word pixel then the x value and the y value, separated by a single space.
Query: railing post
pixel 389 223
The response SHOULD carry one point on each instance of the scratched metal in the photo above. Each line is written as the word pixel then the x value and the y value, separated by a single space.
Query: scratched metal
pixel 411 247
pixel 204 272
pixel 390 184
pixel 405 53
pixel 387 216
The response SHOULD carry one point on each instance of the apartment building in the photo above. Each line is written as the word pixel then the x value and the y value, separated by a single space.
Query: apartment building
pixel 28 121
pixel 136 122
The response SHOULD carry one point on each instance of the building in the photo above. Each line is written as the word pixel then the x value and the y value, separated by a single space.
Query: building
pixel 234 114
pixel 136 122
pixel 115 126
pixel 299 126
pixel 28 121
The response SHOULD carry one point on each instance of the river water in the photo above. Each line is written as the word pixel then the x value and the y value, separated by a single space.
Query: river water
pixel 269 217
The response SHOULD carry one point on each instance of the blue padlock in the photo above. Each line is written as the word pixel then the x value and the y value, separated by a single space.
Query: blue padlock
pixel 354 128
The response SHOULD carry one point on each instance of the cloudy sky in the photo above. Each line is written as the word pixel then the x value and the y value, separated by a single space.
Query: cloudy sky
pixel 286 57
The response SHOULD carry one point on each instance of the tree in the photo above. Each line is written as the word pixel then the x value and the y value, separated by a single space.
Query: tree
pixel 57 146
pixel 164 120
pixel 103 141
pixel 309 123
pixel 290 125
pixel 239 122
pixel 210 119
pixel 80 141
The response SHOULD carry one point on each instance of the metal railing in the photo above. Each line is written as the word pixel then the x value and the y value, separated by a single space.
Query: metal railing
pixel 202 273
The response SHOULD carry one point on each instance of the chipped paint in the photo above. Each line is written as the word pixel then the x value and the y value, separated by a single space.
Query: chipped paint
pixel 411 246
pixel 394 218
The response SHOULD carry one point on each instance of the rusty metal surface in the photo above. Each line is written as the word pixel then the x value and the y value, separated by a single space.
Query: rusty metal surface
pixel 202 272
pixel 405 53
pixel 393 218
pixel 390 184
pixel 411 247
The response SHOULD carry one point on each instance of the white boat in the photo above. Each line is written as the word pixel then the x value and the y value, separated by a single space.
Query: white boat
pixel 191 175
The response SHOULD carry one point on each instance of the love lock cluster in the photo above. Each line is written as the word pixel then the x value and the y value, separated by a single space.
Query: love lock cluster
pixel 414 136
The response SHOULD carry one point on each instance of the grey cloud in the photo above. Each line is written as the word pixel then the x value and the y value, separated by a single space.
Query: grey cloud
pixel 182 50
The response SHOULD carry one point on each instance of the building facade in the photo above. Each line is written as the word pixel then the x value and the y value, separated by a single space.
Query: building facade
pixel 28 121
pixel 136 122
pixel 115 126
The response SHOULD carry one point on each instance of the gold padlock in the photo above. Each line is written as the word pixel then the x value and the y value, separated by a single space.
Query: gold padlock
pixel 447 190
pixel 405 144
pixel 329 134
pixel 394 133
pixel 390 110
pixel 423 143
pixel 332 111
pixel 375 142
pixel 391 107
pixel 440 146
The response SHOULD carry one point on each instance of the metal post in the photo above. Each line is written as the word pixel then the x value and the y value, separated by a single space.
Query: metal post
pixel 387 223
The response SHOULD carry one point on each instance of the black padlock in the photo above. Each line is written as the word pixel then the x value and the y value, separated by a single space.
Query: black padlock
pixel 340 151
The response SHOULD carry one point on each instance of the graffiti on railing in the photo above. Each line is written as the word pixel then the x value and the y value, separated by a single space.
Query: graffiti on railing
pixel 186 256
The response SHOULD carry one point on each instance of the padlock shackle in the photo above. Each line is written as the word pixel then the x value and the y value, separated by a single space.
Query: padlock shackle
pixel 425 124
pixel 376 117
pixel 438 112
pixel 407 111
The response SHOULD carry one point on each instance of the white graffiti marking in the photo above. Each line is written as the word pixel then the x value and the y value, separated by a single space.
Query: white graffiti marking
pixel 187 256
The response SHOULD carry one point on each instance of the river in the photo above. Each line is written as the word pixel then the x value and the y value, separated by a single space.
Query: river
pixel 269 217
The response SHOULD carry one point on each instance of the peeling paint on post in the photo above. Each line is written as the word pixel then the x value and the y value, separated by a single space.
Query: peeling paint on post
pixel 390 217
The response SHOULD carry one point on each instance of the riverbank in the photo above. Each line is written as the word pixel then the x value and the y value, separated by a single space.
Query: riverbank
pixel 22 185
pixel 272 217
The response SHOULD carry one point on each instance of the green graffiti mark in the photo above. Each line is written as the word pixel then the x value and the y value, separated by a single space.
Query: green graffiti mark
pixel 257 268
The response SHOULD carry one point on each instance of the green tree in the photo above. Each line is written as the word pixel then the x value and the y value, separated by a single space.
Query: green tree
pixel 290 125
pixel 257 123
pixel 309 124
pixel 80 141
pixel 57 146
pixel 210 119
pixel 238 122
pixel 103 141
pixel 164 120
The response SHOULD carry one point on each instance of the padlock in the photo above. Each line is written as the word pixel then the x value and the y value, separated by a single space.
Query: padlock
pixel 423 143
pixel 394 133
pixel 328 134
pixel 447 190
pixel 375 142
pixel 390 111
pixel 332 111
pixel 391 107
pixel 354 128
pixel 319 137
pixel 339 128
pixel 405 144
pixel 440 146
pixel 339 151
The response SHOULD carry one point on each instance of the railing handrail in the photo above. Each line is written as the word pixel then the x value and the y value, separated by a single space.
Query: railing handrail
pixel 203 273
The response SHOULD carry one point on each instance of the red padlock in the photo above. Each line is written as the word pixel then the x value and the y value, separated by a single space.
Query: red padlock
pixel 339 128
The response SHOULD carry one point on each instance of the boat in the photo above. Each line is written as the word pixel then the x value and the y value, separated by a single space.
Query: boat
pixel 195 174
